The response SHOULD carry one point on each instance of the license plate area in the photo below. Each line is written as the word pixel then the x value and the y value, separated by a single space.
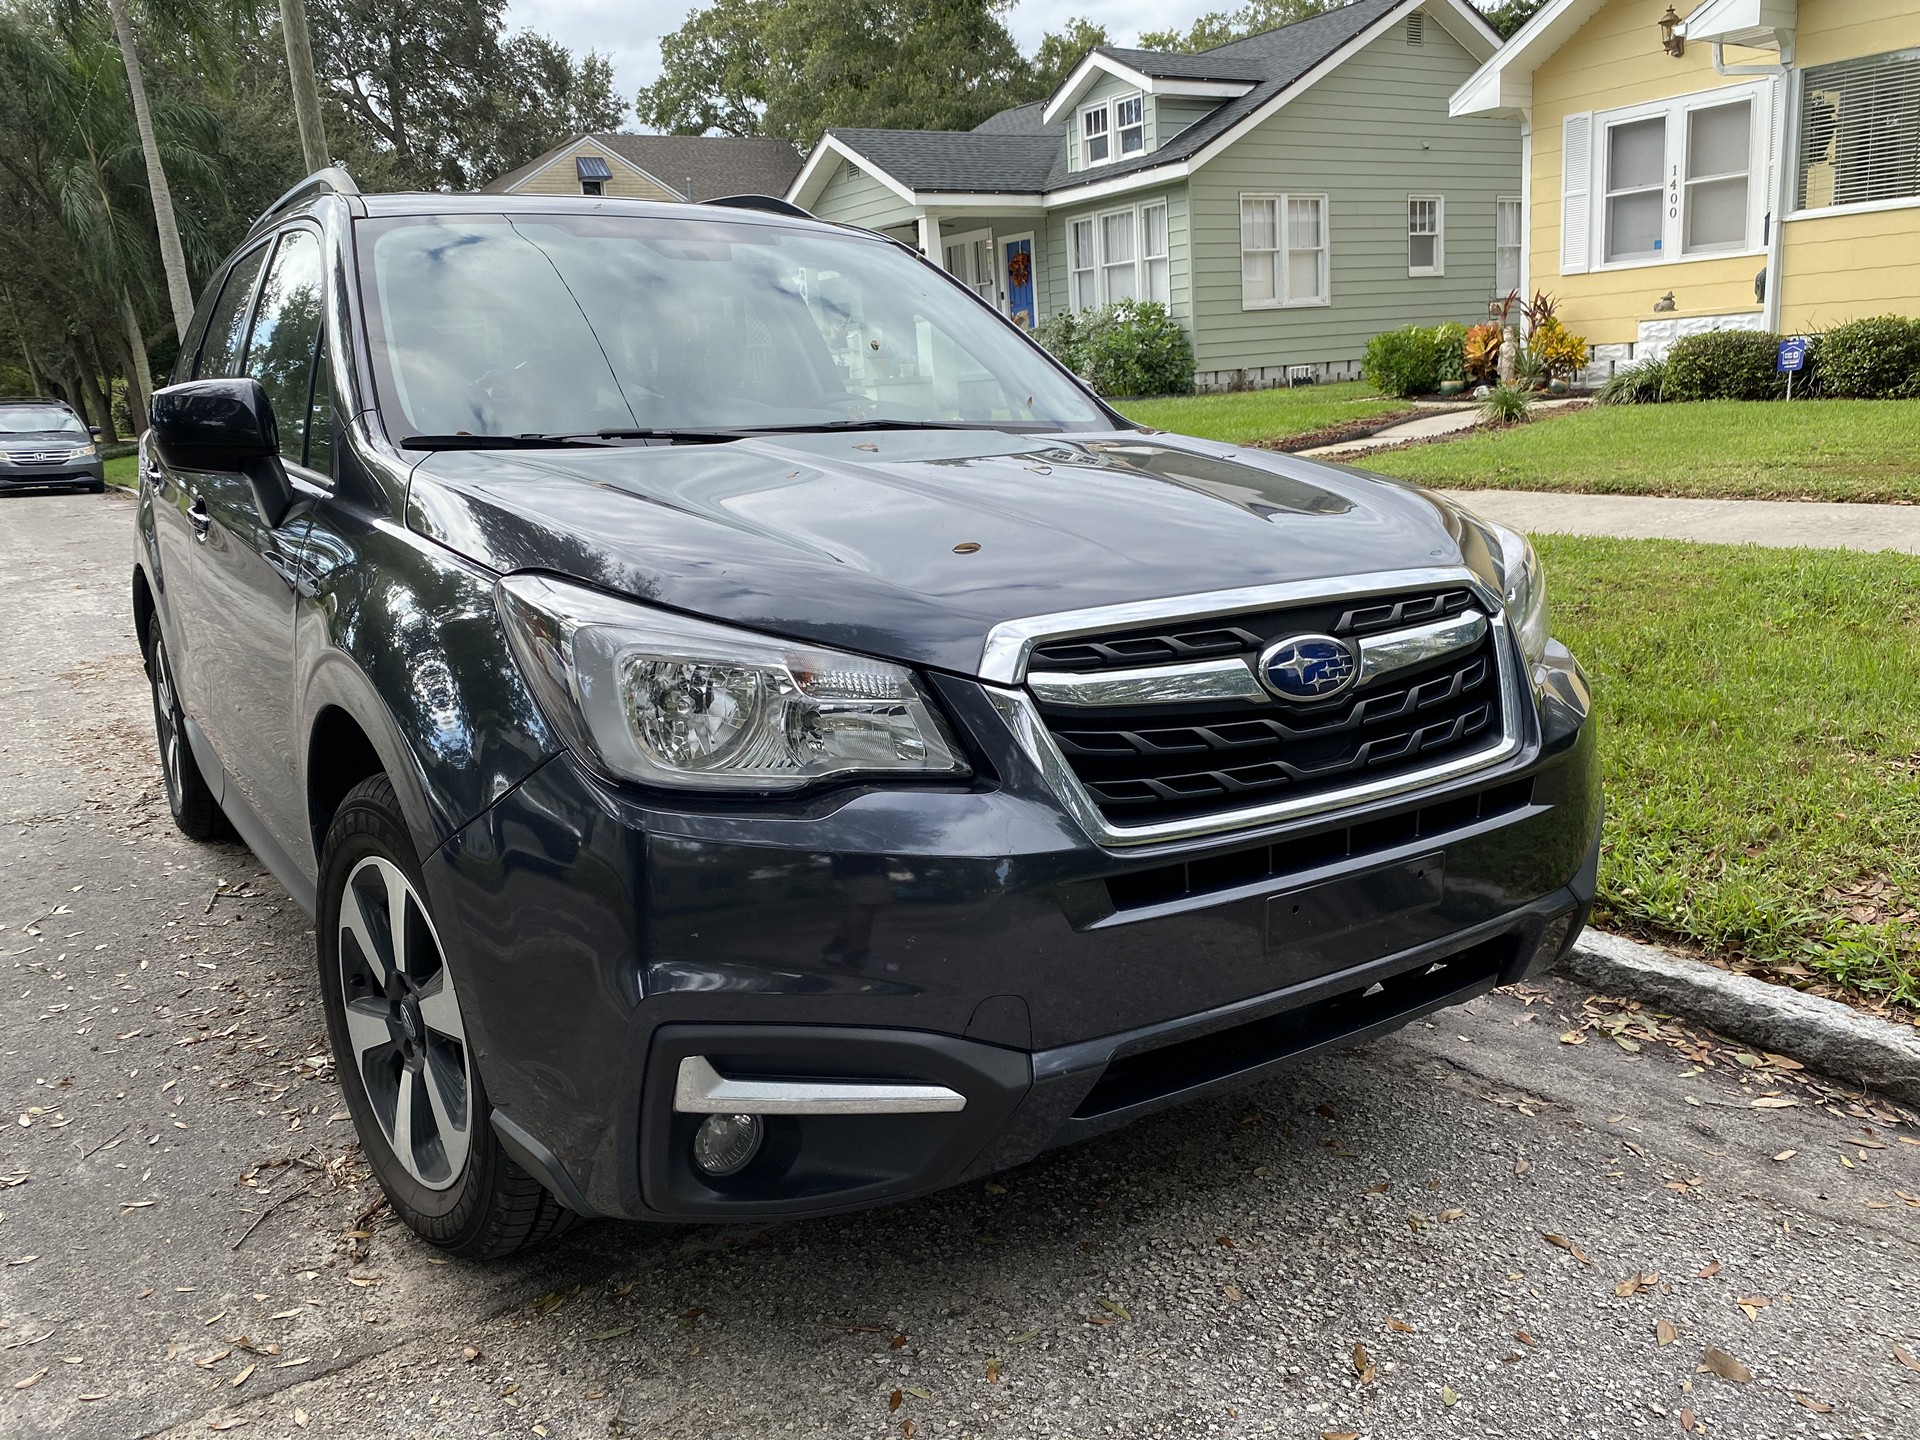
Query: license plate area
pixel 1318 916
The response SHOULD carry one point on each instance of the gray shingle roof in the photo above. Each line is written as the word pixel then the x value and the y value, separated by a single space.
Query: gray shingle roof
pixel 1004 153
pixel 715 164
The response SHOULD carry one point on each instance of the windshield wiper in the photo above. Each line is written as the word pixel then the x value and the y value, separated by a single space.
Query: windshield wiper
pixel 464 441
pixel 882 423
pixel 711 437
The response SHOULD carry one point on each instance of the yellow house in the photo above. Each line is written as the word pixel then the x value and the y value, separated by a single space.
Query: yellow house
pixel 1747 164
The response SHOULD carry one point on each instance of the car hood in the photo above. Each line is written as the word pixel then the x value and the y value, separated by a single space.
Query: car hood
pixel 912 545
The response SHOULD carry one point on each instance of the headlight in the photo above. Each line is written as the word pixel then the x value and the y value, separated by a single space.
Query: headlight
pixel 665 700
pixel 1524 587
pixel 82 452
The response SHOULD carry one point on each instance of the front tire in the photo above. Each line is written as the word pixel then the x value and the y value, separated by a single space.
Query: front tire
pixel 189 796
pixel 400 1045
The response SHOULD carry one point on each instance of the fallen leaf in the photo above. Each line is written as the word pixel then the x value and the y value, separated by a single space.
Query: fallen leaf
pixel 907 1428
pixel 1022 1338
pixel 1395 1323
pixel 1522 1166
pixel 1567 1245
pixel 612 1334
pixel 1710 1269
pixel 893 1402
pixel 1447 1217
pixel 302 1419
pixel 242 1377
pixel 1665 1332
pixel 1725 1366
pixel 1574 1037
pixel 993 1372
pixel 1527 1340
pixel 1636 1283
pixel 1339 1435
pixel 1233 1293
pixel 1819 1407
pixel 31 1380
pixel 1114 1307
pixel 1775 1102
pixel 917 1392
pixel 471 1354
pixel 898 1342
pixel 1688 1425
pixel 1449 1396
pixel 1905 1357
pixel 1786 1155
pixel 1361 1360
pixel 231 1422
pixel 1379 1189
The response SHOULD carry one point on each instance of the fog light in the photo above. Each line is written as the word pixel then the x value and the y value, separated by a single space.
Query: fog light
pixel 726 1144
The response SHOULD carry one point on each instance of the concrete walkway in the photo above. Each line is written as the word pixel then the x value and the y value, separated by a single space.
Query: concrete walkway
pixel 1446 418
pixel 1804 523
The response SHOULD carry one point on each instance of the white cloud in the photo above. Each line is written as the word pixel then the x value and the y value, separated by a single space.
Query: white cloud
pixel 630 34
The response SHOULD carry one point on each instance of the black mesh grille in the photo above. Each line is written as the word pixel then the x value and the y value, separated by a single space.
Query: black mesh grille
pixel 1162 762
pixel 1246 634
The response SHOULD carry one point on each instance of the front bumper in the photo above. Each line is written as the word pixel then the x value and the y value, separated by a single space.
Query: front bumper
pixel 15 476
pixel 972 937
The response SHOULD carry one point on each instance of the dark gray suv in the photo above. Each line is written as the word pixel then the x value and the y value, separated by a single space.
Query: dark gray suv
pixel 759 738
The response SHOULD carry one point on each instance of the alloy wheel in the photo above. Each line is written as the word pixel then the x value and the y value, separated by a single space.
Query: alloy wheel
pixel 166 719
pixel 403 1020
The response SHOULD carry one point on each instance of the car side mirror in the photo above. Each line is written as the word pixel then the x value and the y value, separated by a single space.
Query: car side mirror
pixel 94 431
pixel 224 426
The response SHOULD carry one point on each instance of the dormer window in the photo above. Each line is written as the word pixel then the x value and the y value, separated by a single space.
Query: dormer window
pixel 1128 117
pixel 1094 136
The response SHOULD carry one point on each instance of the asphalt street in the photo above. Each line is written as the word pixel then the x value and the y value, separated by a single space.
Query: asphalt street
pixel 1541 1215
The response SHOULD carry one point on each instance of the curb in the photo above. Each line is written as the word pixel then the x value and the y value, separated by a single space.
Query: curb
pixel 1823 1034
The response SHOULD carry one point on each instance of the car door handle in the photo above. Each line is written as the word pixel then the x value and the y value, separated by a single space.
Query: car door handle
pixel 199 517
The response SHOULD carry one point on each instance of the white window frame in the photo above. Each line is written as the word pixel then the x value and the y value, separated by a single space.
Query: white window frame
pixel 1131 214
pixel 1284 299
pixel 1120 151
pixel 1091 268
pixel 1105 112
pixel 968 244
pixel 1439 233
pixel 1518 247
pixel 1675 112
pixel 1148 259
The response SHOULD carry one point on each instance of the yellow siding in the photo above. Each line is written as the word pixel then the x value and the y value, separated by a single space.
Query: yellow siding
pixel 561 178
pixel 1836 267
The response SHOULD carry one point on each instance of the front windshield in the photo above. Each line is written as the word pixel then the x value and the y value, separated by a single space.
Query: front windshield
pixel 39 420
pixel 575 324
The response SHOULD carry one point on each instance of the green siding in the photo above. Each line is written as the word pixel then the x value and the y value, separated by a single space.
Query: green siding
pixel 1367 136
pixel 1175 115
pixel 861 200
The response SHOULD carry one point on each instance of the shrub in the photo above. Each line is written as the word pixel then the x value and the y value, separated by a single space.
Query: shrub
pixel 1875 359
pixel 1507 405
pixel 1134 347
pixel 1059 333
pixel 1560 352
pixel 1481 352
pixel 1724 365
pixel 1642 383
pixel 1403 362
pixel 1451 338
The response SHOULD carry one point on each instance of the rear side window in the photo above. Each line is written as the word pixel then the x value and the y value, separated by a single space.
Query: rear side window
pixel 286 328
pixel 227 325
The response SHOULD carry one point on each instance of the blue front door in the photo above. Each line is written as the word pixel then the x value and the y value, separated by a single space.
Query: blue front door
pixel 1017 256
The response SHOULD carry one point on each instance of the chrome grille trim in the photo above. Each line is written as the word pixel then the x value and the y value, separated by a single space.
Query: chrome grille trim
pixel 1397 649
pixel 1008 646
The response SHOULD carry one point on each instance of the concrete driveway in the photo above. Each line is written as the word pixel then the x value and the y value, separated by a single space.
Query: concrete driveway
pixel 1475 1228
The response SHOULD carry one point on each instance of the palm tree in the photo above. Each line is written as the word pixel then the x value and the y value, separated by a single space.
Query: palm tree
pixel 306 90
pixel 173 255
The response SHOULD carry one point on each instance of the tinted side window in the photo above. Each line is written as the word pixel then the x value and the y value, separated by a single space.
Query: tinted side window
pixel 227 325
pixel 286 328
pixel 320 418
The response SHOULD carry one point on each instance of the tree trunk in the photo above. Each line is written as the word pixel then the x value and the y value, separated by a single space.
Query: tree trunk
pixel 139 380
pixel 172 256
pixel 96 400
pixel 26 345
pixel 77 396
pixel 306 90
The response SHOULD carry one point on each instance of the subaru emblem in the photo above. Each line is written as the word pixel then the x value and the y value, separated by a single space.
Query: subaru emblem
pixel 1308 667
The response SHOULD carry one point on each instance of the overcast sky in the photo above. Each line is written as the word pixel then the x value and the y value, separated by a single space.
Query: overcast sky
pixel 630 34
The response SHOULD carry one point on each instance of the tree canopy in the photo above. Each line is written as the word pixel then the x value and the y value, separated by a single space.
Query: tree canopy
pixel 1219 26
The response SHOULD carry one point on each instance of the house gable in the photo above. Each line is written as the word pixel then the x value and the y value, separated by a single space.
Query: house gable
pixel 558 174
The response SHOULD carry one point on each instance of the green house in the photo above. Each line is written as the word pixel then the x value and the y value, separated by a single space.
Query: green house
pixel 1287 195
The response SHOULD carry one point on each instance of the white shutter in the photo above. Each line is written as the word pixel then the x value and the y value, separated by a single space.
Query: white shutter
pixel 1576 193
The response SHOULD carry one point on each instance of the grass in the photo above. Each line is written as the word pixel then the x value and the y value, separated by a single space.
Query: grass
pixel 1255 415
pixel 1803 450
pixel 1760 727
pixel 124 470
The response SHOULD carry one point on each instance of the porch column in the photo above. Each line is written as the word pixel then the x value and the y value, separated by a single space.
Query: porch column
pixel 930 236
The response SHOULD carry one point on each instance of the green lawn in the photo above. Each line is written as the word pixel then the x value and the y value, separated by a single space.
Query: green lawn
pixel 1255 415
pixel 1760 723
pixel 1803 450
pixel 124 470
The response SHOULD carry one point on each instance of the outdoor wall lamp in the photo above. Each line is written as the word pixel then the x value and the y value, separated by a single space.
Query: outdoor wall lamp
pixel 1673 39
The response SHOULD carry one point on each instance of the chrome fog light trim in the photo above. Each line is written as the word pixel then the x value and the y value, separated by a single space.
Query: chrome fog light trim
pixel 699 1089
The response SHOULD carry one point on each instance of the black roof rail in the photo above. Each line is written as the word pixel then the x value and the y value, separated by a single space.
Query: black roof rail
pixel 330 181
pixel 772 204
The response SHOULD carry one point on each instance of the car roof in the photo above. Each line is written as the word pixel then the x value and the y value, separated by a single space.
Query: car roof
pixel 43 401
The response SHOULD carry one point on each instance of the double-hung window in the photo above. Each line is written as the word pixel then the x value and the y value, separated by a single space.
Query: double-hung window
pixel 1129 120
pixel 1119 274
pixel 1154 260
pixel 1084 280
pixel 1426 241
pixel 1283 250
pixel 1860 132
pixel 1095 140
pixel 1675 180
pixel 1507 220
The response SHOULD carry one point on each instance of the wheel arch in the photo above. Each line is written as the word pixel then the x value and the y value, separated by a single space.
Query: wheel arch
pixel 143 613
